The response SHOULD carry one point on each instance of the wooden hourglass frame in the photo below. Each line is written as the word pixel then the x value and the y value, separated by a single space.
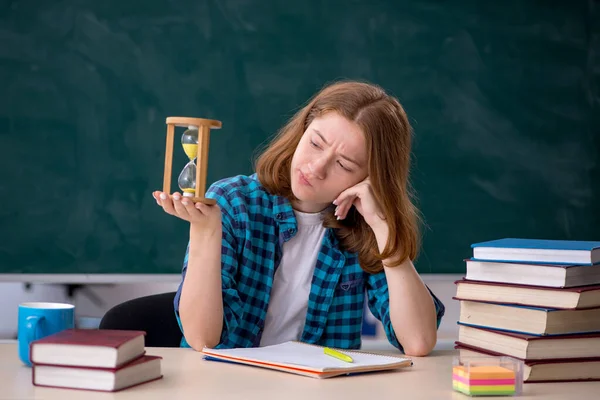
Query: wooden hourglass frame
pixel 204 126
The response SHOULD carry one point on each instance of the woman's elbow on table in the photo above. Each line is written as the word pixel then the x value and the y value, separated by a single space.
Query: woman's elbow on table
pixel 420 348
pixel 199 343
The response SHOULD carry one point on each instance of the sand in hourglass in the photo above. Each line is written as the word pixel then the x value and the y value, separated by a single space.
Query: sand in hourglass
pixel 191 150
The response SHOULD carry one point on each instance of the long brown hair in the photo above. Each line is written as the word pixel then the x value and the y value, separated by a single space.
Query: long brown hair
pixel 388 136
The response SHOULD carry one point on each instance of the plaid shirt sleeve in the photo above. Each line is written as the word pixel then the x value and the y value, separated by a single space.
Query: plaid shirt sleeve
pixel 379 304
pixel 232 304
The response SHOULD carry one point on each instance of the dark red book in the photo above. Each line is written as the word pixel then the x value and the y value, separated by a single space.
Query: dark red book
pixel 101 348
pixel 142 370
pixel 551 370
pixel 580 297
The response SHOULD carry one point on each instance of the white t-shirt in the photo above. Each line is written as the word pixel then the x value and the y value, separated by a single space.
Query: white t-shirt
pixel 288 304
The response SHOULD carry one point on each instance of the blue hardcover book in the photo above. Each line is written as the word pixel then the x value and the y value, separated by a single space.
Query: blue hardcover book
pixel 538 251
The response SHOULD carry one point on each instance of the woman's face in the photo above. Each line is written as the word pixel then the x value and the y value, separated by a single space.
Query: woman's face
pixel 330 158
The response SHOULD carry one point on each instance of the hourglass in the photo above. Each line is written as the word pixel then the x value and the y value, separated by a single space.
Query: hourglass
pixel 195 141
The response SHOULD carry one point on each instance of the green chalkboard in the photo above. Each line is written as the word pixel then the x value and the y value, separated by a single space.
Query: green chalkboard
pixel 503 96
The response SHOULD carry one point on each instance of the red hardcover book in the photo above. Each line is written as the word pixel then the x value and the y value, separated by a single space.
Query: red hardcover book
pixel 142 370
pixel 550 370
pixel 101 348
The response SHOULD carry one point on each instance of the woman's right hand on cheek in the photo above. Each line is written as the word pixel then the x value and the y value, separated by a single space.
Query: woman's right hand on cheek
pixel 201 216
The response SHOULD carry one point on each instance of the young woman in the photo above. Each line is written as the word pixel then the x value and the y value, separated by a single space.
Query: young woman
pixel 290 252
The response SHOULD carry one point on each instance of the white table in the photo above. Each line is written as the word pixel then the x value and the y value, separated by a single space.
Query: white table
pixel 103 279
pixel 188 376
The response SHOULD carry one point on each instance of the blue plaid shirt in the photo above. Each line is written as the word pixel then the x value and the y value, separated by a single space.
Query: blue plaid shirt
pixel 255 225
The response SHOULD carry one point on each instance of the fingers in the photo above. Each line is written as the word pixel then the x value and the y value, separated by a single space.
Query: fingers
pixel 341 211
pixel 173 205
pixel 354 191
pixel 347 198
pixel 203 208
pixel 193 209
pixel 351 196
pixel 180 204
pixel 342 197
pixel 166 203
pixel 156 195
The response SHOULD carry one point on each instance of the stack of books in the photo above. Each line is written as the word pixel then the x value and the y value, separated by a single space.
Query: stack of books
pixel 91 359
pixel 537 301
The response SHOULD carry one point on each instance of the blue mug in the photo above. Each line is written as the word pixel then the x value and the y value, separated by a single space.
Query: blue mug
pixel 38 320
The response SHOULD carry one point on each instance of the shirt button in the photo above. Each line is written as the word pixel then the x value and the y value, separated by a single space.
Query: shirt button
pixel 291 231
pixel 279 216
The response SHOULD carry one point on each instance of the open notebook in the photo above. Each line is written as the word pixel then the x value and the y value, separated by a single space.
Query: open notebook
pixel 307 359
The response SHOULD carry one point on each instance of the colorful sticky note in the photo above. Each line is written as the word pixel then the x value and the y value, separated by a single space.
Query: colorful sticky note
pixel 483 380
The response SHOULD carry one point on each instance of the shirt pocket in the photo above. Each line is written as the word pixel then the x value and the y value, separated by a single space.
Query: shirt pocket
pixel 350 285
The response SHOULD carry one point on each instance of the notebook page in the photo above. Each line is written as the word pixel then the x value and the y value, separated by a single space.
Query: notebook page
pixel 307 356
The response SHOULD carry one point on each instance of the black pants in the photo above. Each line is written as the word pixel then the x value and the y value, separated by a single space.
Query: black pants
pixel 153 314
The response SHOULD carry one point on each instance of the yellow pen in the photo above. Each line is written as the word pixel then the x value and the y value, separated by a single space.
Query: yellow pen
pixel 337 354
